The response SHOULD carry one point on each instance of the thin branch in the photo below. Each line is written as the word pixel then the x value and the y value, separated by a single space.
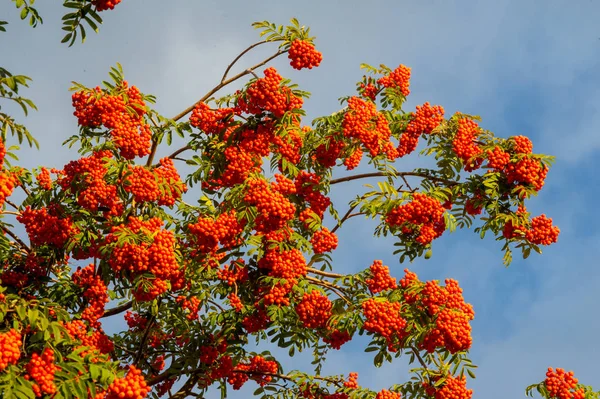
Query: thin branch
pixel 322 273
pixel 332 287
pixel 11 204
pixel 418 355
pixel 238 58
pixel 117 309
pixel 14 237
pixel 179 151
pixel 287 377
pixel 140 352
pixel 225 83
pixel 401 174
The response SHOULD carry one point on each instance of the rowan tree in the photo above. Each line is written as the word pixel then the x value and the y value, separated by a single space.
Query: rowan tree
pixel 109 235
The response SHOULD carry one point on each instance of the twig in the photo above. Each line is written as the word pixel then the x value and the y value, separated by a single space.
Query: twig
pixel 332 287
pixel 14 237
pixel 238 58
pixel 11 204
pixel 401 174
pixel 117 309
pixel 140 352
pixel 322 273
pixel 418 355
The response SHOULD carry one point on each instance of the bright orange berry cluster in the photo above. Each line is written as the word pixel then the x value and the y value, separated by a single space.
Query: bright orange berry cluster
pixel 95 292
pixel 8 182
pixel 211 121
pixel 85 179
pixel 190 306
pixel 337 338
pixel 274 210
pixel 10 348
pixel 385 394
pixel 423 121
pixel 562 385
pixel 328 153
pixel 236 271
pixel 352 161
pixel 363 122
pixel 497 158
pixel 44 179
pixel 303 54
pixel 522 144
pixel 352 381
pixel 314 310
pixel 103 5
pixel 399 78
pixel 132 386
pixel 266 94
pixel 41 369
pixel 130 133
pixel 43 226
pixel 527 171
pixel 465 146
pixel 307 189
pixel 324 241
pixel 453 388
pixel 208 232
pixel 288 264
pixel 383 318
pixel 542 232
pixel 423 218
pixel 161 184
pixel 97 340
pixel 381 279
pixel 258 369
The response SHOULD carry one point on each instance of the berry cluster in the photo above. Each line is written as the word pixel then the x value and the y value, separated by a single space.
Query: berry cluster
pixel 447 308
pixel 44 180
pixel 41 369
pixel 527 171
pixel 422 218
pixel 8 182
pixel 211 121
pixel 303 54
pixel 273 209
pixel 364 123
pixel 324 241
pixel 464 144
pixel 85 179
pixel 94 292
pixel 327 154
pixel 497 158
pixel 541 231
pixel 208 232
pixel 161 184
pixel 307 189
pixel 10 348
pixel 132 386
pixel 258 369
pixel 522 145
pixel 398 79
pixel 314 310
pixel 562 385
pixel 45 227
pixel 97 341
pixel 381 279
pixel 103 5
pixel 353 160
pixel 337 338
pixel 267 94
pixel 368 91
pixel 190 306
pixel 383 318
pixel 453 388
pixel 385 394
pixel 130 133
pixel 288 264
pixel 352 381
pixel 423 121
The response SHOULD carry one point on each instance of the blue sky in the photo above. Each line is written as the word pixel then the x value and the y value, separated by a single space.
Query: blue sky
pixel 526 67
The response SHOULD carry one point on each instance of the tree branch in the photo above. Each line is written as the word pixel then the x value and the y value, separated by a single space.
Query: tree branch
pixel 117 309
pixel 240 56
pixel 14 237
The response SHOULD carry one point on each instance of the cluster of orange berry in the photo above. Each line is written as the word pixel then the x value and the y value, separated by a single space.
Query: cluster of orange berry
pixel 314 310
pixel 266 94
pixel 541 231
pixel 8 181
pixel 328 153
pixel 352 381
pixel 422 121
pixel 452 388
pixel 10 348
pixel 307 190
pixel 41 369
pixel 85 179
pixel 103 5
pixel 191 306
pixel 562 385
pixel 303 54
pixel 273 208
pixel 383 318
pixel 211 121
pixel 447 307
pixel 337 338
pixel 385 394
pixel 94 292
pixel 288 264
pixel 208 232
pixel 130 133
pixel 398 79
pixel 381 279
pixel 97 341
pixel 132 386
pixel 45 227
pixel 422 218
pixel 364 123
pixel 161 184
pixel 258 369
pixel 324 241
pixel 464 144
